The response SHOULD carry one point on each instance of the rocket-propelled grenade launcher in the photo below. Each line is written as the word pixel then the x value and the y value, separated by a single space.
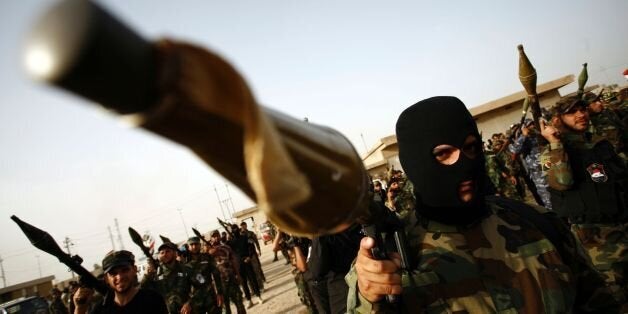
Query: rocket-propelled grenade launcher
pixel 44 241
pixel 308 179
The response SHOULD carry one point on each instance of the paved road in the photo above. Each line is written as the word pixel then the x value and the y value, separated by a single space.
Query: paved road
pixel 280 294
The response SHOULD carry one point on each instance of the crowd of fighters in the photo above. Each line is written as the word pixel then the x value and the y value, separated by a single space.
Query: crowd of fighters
pixel 530 221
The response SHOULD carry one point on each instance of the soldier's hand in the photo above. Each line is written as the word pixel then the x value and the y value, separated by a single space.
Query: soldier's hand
pixel 219 300
pixel 151 269
pixel 81 299
pixel 376 278
pixel 525 131
pixel 186 308
pixel 549 132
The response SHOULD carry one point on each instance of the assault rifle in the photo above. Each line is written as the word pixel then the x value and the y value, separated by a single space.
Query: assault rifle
pixel 45 242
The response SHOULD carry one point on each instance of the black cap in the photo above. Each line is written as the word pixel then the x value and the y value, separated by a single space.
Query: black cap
pixel 168 245
pixel 117 258
pixel 194 240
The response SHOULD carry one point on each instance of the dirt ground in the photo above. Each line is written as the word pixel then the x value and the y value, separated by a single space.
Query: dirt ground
pixel 280 291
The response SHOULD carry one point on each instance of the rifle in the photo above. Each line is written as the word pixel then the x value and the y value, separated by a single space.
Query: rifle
pixel 200 236
pixel 197 99
pixel 44 241
pixel 137 239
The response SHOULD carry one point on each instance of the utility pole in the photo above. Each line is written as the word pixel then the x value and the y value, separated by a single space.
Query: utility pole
pixel 366 150
pixel 4 278
pixel 230 200
pixel 220 203
pixel 113 244
pixel 119 235
pixel 67 243
pixel 183 221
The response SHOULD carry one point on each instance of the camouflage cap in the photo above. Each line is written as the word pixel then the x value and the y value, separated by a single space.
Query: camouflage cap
pixel 608 95
pixel 117 258
pixel 168 245
pixel 215 233
pixel 564 105
pixel 194 240
pixel 591 97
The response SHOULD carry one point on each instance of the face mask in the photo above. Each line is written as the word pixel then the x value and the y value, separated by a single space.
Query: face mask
pixel 422 127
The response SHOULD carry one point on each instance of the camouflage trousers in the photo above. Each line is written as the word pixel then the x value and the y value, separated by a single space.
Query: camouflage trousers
pixel 304 292
pixel 204 301
pixel 233 294
pixel 607 246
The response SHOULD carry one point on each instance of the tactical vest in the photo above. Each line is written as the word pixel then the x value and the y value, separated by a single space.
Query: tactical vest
pixel 598 194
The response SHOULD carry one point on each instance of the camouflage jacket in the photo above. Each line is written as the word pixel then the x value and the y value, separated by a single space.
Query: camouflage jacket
pixel 203 268
pixel 226 261
pixel 404 201
pixel 503 263
pixel 586 178
pixel 173 283
pixel 608 125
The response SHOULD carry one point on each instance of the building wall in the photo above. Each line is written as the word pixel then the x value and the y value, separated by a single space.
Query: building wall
pixel 41 289
pixel 499 120
pixel 253 224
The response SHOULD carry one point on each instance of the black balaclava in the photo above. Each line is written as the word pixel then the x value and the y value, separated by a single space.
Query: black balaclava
pixel 422 127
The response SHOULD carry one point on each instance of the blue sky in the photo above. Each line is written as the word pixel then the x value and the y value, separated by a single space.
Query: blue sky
pixel 352 65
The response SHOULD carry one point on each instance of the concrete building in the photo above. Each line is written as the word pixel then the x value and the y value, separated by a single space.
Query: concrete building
pixel 253 218
pixel 492 117
pixel 37 287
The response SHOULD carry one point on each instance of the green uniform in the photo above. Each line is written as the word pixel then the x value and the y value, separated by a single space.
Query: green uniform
pixel 502 263
pixel 173 283
pixel 587 183
pixel 202 269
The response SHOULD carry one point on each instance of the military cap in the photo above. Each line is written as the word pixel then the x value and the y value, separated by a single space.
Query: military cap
pixel 564 105
pixel 590 97
pixel 168 245
pixel 215 233
pixel 117 258
pixel 608 95
pixel 194 240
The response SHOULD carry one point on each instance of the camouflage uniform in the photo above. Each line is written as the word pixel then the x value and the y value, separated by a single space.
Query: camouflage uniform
pixel 528 147
pixel 608 125
pixel 587 181
pixel 498 165
pixel 202 269
pixel 227 263
pixel 503 263
pixel 173 283
pixel 403 203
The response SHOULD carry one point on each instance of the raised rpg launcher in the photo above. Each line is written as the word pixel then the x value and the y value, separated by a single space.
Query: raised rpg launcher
pixel 44 241
pixel 308 179
pixel 137 239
